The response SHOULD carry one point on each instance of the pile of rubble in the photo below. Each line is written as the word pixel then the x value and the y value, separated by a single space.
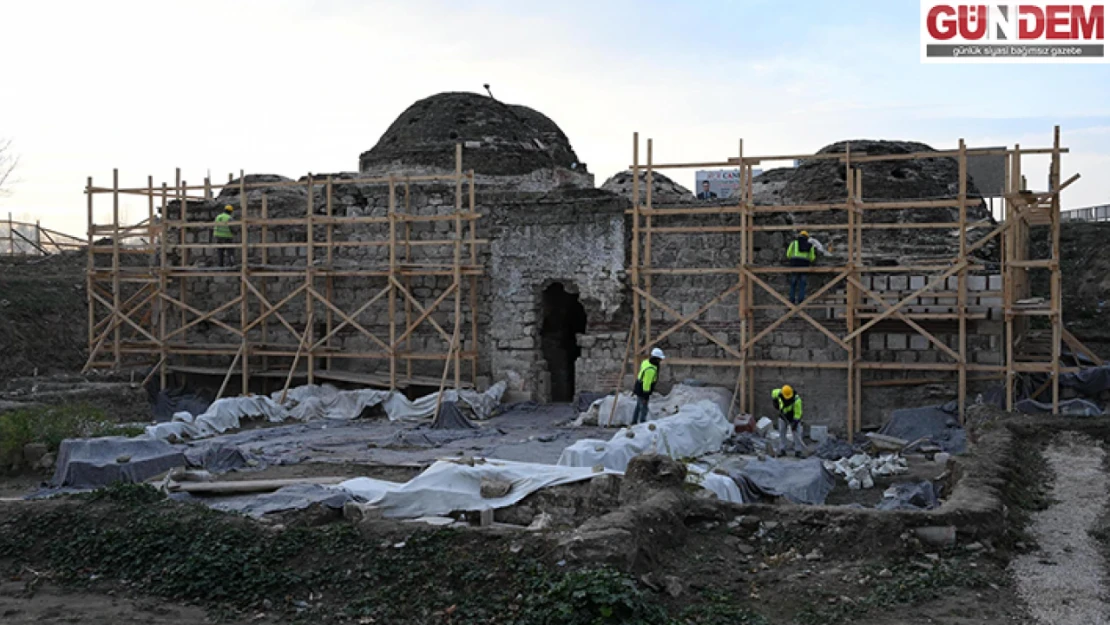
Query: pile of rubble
pixel 860 470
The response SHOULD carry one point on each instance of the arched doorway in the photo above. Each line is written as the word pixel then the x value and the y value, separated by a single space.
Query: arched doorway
pixel 564 319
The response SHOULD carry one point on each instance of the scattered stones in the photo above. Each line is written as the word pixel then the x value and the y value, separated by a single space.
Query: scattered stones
pixel 976 546
pixel 124 459
pixel 885 574
pixel 745 549
pixel 813 556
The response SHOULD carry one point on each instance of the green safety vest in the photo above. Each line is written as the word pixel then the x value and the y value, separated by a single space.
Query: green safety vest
pixel 788 408
pixel 645 381
pixel 793 252
pixel 223 231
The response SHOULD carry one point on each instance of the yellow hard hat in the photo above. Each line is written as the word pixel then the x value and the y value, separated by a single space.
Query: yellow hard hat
pixel 229 208
pixel 804 233
pixel 787 391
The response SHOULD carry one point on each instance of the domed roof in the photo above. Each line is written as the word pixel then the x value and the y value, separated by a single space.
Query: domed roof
pixel 499 139
pixel 663 189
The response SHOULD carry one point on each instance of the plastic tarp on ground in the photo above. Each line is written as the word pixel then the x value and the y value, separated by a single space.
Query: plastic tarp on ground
pixel 940 424
pixel 292 497
pixel 1075 407
pixel 448 486
pixel 1089 382
pixel 801 481
pixel 96 462
pixel 910 496
pixel 311 402
pixel 601 411
pixel 698 428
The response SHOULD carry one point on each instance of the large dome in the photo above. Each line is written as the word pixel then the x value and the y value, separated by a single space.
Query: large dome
pixel 499 139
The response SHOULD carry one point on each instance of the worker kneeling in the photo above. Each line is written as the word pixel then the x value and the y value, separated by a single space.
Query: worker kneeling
pixel 789 406
pixel 645 385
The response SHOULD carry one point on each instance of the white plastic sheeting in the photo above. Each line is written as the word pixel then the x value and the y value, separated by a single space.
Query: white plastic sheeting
pixel 448 486
pixel 312 402
pixel 601 412
pixel 723 486
pixel 698 428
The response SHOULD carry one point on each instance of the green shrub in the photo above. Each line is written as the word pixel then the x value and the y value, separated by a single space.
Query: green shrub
pixel 50 425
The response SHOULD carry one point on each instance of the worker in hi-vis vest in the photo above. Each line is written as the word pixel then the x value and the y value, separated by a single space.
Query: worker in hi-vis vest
pixel 802 252
pixel 788 404
pixel 645 384
pixel 223 236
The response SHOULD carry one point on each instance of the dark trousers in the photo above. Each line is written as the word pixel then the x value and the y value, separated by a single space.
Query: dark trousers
pixel 225 252
pixel 640 415
pixel 798 281
pixel 798 286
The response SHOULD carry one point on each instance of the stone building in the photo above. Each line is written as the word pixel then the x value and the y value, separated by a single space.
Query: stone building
pixel 554 305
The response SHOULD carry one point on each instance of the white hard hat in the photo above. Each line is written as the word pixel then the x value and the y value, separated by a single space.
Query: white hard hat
pixel 657 353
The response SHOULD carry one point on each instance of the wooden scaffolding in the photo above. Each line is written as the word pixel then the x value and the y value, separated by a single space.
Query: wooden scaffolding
pixel 1029 348
pixel 277 307
pixel 18 238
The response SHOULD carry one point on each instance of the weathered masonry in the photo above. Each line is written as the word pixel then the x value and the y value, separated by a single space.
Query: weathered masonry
pixel 473 245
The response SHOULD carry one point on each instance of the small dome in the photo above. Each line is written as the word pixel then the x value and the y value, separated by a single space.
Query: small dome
pixel 663 189
pixel 499 139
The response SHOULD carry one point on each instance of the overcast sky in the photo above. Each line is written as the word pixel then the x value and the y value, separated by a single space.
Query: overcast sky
pixel 288 87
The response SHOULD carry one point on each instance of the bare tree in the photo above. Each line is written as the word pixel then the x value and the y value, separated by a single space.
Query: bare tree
pixel 8 161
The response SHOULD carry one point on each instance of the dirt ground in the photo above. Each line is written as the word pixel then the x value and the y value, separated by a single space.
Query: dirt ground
pixel 23 600
pixel 698 562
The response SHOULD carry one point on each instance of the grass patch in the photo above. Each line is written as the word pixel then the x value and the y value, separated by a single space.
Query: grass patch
pixel 129 536
pixel 50 425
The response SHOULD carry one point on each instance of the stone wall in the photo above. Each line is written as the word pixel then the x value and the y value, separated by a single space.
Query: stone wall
pixel 581 238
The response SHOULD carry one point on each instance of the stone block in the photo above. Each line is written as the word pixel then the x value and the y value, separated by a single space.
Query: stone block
pixel 799 354
pixel 896 341
pixel 780 353
pixel 876 341
pixel 790 339
pixel 994 282
pixel 907 357
pixel 899 283
pixel 977 283
pixel 881 283
pixel 919 342
pixel 929 356
pixel 917 282
pixel 819 433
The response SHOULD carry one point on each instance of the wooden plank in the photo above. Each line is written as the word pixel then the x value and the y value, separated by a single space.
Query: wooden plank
pixel 962 295
pixel 248 486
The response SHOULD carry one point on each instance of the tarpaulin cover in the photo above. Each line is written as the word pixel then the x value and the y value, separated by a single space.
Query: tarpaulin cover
pixel 292 497
pixel 1075 407
pixel 166 403
pixel 1088 382
pixel 448 486
pixel 723 486
pixel 909 496
pixel 801 481
pixel 940 424
pixel 698 428
pixel 96 462
pixel 217 457
pixel 451 418
pixel 312 402
pixel 601 411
